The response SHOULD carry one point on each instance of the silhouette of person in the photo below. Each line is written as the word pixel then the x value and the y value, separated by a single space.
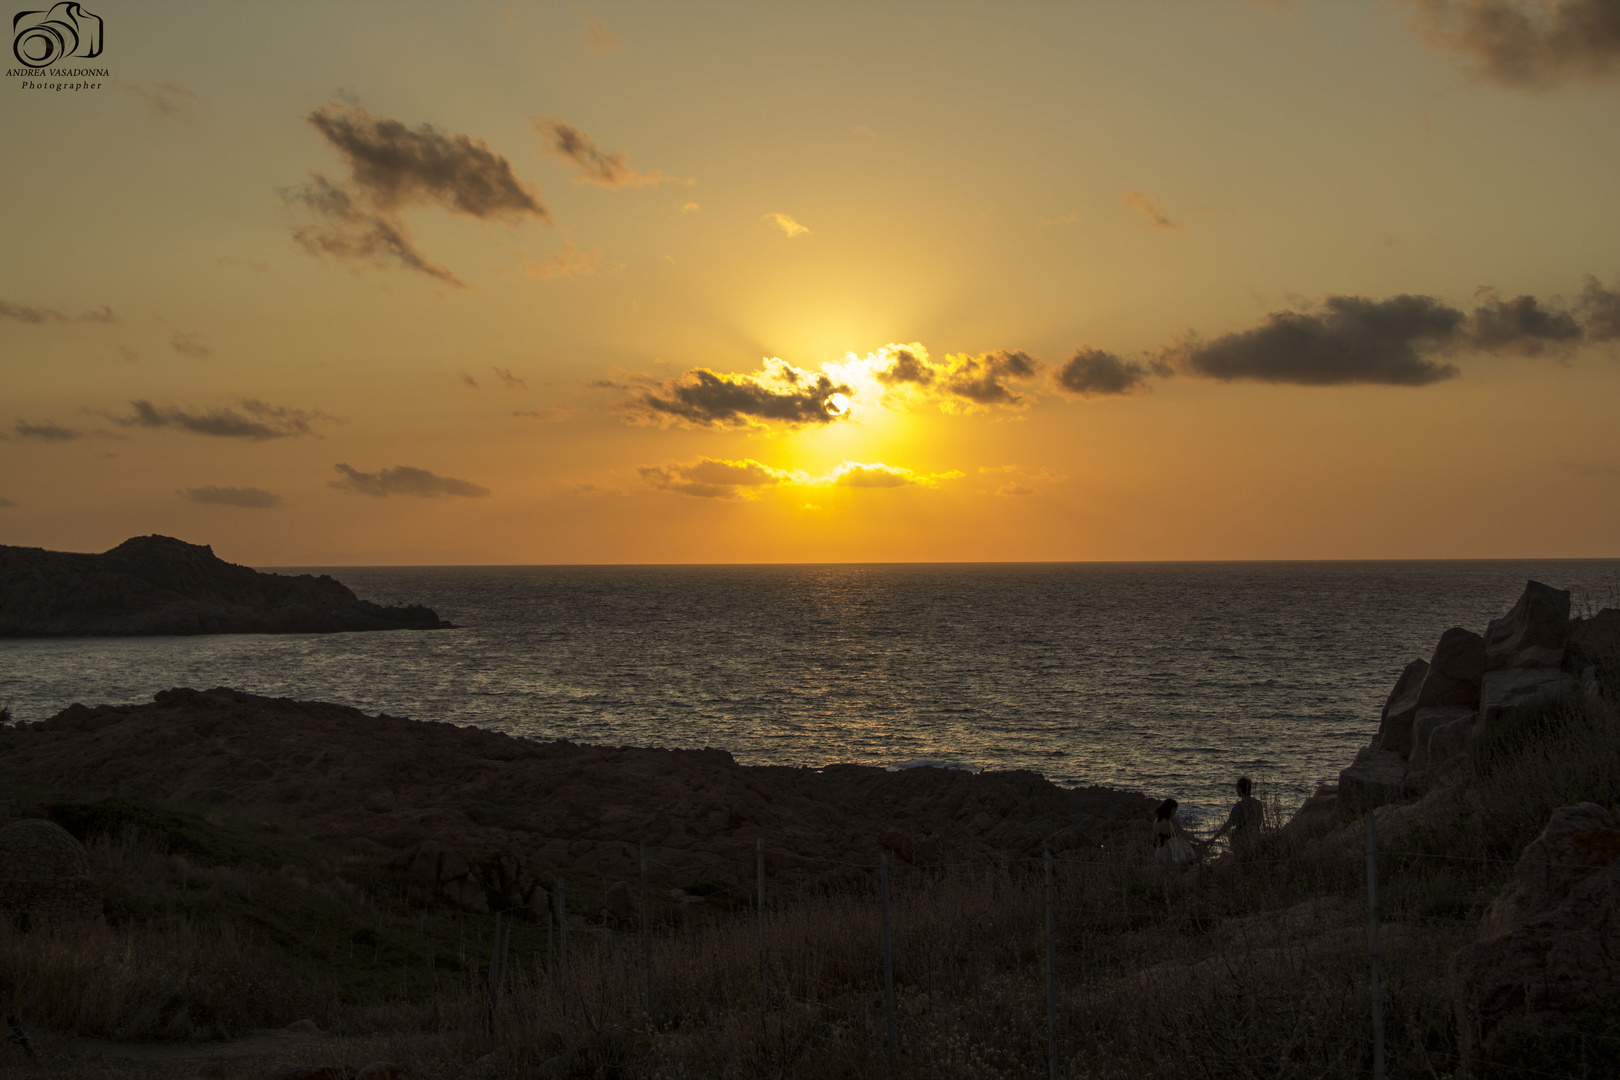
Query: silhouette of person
pixel 1172 845
pixel 1245 821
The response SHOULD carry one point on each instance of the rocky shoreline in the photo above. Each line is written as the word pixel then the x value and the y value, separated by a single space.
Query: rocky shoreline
pixel 476 817
pixel 153 585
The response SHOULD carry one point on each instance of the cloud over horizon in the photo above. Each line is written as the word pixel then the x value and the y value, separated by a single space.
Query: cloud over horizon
pixel 596 166
pixel 257 420
pixel 404 480
pixel 247 498
pixel 1527 44
pixel 961 382
pixel 718 478
pixel 1397 341
pixel 393 168
pixel 700 397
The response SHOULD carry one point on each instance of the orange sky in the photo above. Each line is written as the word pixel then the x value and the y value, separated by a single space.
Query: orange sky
pixel 367 284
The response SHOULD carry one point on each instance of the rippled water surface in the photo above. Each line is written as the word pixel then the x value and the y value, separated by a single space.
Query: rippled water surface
pixel 1169 678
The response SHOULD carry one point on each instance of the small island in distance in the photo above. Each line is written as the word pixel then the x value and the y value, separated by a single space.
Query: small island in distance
pixel 155 585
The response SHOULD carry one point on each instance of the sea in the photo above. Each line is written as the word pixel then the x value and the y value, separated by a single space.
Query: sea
pixel 1166 678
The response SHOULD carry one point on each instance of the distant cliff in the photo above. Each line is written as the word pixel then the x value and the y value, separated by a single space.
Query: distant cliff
pixel 159 585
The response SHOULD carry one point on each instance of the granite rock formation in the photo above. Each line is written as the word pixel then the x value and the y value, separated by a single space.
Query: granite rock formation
pixel 1549 946
pixel 45 874
pixel 476 818
pixel 159 585
pixel 1531 654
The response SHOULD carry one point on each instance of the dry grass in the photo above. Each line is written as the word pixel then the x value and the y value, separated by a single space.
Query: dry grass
pixel 1227 969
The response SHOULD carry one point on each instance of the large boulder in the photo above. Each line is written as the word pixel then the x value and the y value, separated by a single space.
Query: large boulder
pixel 1533 634
pixel 1455 671
pixel 1457 719
pixel 1375 778
pixel 1549 946
pixel 1509 688
pixel 45 874
pixel 1395 722
pixel 1595 641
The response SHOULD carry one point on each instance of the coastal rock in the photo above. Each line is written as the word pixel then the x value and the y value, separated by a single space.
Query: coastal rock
pixel 1376 777
pixel 1596 642
pixel 1550 944
pixel 1509 688
pixel 159 585
pixel 1315 815
pixel 508 808
pixel 1429 721
pixel 1531 635
pixel 1455 671
pixel 1395 722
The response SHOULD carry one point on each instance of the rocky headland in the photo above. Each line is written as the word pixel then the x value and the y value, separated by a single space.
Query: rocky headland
pixel 152 585
pixel 476 818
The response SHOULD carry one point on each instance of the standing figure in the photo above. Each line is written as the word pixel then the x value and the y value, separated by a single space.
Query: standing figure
pixel 1172 845
pixel 1246 820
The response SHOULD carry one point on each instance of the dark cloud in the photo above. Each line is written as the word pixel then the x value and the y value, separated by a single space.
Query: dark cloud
pixel 1521 325
pixel 46 432
pixel 1351 340
pixel 1599 309
pixel 248 498
pixel 1530 44
pixel 30 313
pixel 405 480
pixel 1092 373
pixel 350 230
pixel 392 168
pixel 984 379
pixel 257 420
pixel 596 166
pixel 705 398
pixel 5 502
pixel 907 366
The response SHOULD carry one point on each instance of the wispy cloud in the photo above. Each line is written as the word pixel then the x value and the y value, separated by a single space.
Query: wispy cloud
pixel 1150 208
pixel 393 168
pixel 405 480
pixel 509 380
pixel 568 263
pixel 1527 43
pixel 786 223
pixel 596 166
pixel 246 498
pixel 257 420
pixel 595 36
pixel 191 344
pixel 719 478
pixel 778 393
pixel 46 432
pixel 31 313
pixel 1062 219
pixel 1599 309
pixel 547 413
pixel 163 99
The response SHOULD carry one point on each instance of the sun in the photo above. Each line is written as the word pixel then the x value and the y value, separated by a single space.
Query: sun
pixel 836 404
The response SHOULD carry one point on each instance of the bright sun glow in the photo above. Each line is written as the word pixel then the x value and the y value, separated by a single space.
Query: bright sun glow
pixel 837 404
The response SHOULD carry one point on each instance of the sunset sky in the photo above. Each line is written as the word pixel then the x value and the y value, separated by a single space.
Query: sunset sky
pixel 335 284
